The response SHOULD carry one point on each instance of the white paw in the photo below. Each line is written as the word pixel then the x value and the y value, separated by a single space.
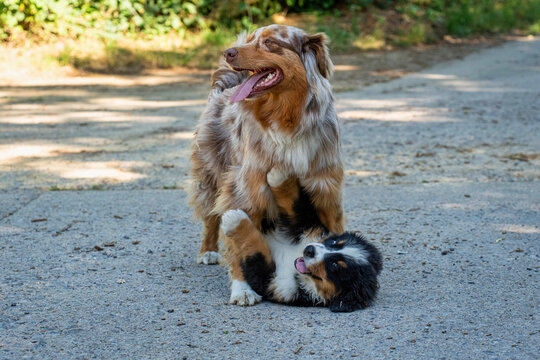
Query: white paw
pixel 242 294
pixel 231 219
pixel 208 258
pixel 276 177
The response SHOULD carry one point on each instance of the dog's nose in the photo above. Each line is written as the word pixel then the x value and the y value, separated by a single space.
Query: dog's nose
pixel 309 251
pixel 230 54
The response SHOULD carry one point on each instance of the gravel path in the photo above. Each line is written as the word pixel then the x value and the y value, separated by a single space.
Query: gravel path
pixel 443 176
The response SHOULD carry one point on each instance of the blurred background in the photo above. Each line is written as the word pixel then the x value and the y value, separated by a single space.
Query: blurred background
pixel 127 37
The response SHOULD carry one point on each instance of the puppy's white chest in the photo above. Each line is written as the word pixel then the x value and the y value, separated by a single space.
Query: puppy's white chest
pixel 284 254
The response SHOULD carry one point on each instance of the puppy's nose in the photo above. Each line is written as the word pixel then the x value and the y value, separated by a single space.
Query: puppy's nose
pixel 230 54
pixel 309 251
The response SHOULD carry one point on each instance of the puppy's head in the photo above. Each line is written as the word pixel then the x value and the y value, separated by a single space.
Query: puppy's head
pixel 278 57
pixel 343 270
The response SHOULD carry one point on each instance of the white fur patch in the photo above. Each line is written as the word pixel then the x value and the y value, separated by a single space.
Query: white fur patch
pixel 296 151
pixel 242 294
pixel 276 177
pixel 284 255
pixel 231 219
pixel 209 258
pixel 357 253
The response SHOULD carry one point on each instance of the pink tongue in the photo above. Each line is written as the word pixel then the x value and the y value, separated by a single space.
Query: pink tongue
pixel 300 265
pixel 245 88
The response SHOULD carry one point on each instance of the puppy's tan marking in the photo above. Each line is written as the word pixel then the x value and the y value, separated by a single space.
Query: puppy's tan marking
pixel 324 286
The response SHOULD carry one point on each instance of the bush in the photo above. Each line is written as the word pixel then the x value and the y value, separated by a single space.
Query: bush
pixel 420 20
pixel 73 17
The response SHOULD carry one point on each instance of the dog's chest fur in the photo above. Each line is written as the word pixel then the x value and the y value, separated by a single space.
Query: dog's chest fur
pixel 286 282
pixel 264 148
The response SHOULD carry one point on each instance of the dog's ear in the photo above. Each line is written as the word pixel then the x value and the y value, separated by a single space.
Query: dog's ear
pixel 344 302
pixel 317 44
pixel 360 292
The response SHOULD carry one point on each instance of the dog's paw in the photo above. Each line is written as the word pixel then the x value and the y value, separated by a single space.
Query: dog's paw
pixel 276 177
pixel 209 258
pixel 231 219
pixel 243 295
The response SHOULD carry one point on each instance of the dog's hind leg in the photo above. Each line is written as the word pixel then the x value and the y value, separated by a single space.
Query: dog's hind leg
pixel 324 189
pixel 244 242
pixel 285 190
pixel 208 254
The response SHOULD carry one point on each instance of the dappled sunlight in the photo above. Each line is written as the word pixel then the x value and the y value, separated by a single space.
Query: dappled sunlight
pixel 398 110
pixel 372 103
pixel 123 103
pixel 116 171
pixel 462 85
pixel 346 68
pixel 362 173
pixel 433 76
pixel 522 229
pixel 13 152
pixel 49 109
pixel 158 77
pixel 477 86
pixel 180 135
pixel 466 206
pixel 406 115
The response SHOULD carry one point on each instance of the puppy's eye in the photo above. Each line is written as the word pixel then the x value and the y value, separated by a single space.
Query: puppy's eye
pixel 335 266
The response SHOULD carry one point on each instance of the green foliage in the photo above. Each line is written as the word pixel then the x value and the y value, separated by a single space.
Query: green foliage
pixel 112 18
pixel 126 36
pixel 74 17
pixel 465 17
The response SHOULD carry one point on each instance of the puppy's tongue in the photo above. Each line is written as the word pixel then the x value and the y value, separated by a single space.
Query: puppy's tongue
pixel 300 265
pixel 244 89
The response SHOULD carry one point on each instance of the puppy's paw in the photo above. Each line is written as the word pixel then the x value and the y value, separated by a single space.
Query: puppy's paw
pixel 231 219
pixel 276 177
pixel 209 258
pixel 243 295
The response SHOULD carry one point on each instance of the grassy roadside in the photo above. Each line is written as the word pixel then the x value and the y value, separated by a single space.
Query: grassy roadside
pixel 350 31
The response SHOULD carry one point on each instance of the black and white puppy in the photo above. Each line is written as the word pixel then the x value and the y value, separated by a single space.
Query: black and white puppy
pixel 297 261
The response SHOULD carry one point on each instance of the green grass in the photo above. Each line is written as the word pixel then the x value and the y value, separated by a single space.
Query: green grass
pixel 200 50
pixel 534 29
pixel 171 187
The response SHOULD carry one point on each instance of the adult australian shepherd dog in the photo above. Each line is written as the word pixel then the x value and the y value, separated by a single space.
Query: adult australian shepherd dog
pixel 271 106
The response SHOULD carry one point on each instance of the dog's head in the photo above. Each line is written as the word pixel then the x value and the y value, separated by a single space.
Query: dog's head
pixel 278 57
pixel 342 270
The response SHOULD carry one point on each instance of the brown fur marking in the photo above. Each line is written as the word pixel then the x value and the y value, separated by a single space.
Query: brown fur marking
pixel 245 240
pixel 210 234
pixel 325 287
pixel 286 194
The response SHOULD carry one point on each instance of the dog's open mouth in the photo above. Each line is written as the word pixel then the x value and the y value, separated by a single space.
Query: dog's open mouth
pixel 300 265
pixel 261 80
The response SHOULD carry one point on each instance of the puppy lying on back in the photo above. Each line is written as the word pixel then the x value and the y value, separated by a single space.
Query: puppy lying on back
pixel 271 105
pixel 300 262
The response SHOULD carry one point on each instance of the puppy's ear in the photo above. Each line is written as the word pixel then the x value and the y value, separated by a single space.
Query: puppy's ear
pixel 360 293
pixel 345 302
pixel 317 44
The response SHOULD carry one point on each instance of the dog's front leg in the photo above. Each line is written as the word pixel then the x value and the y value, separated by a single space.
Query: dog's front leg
pixel 324 188
pixel 248 257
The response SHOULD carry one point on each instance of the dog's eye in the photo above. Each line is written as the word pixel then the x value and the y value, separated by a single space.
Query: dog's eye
pixel 335 266
pixel 267 41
